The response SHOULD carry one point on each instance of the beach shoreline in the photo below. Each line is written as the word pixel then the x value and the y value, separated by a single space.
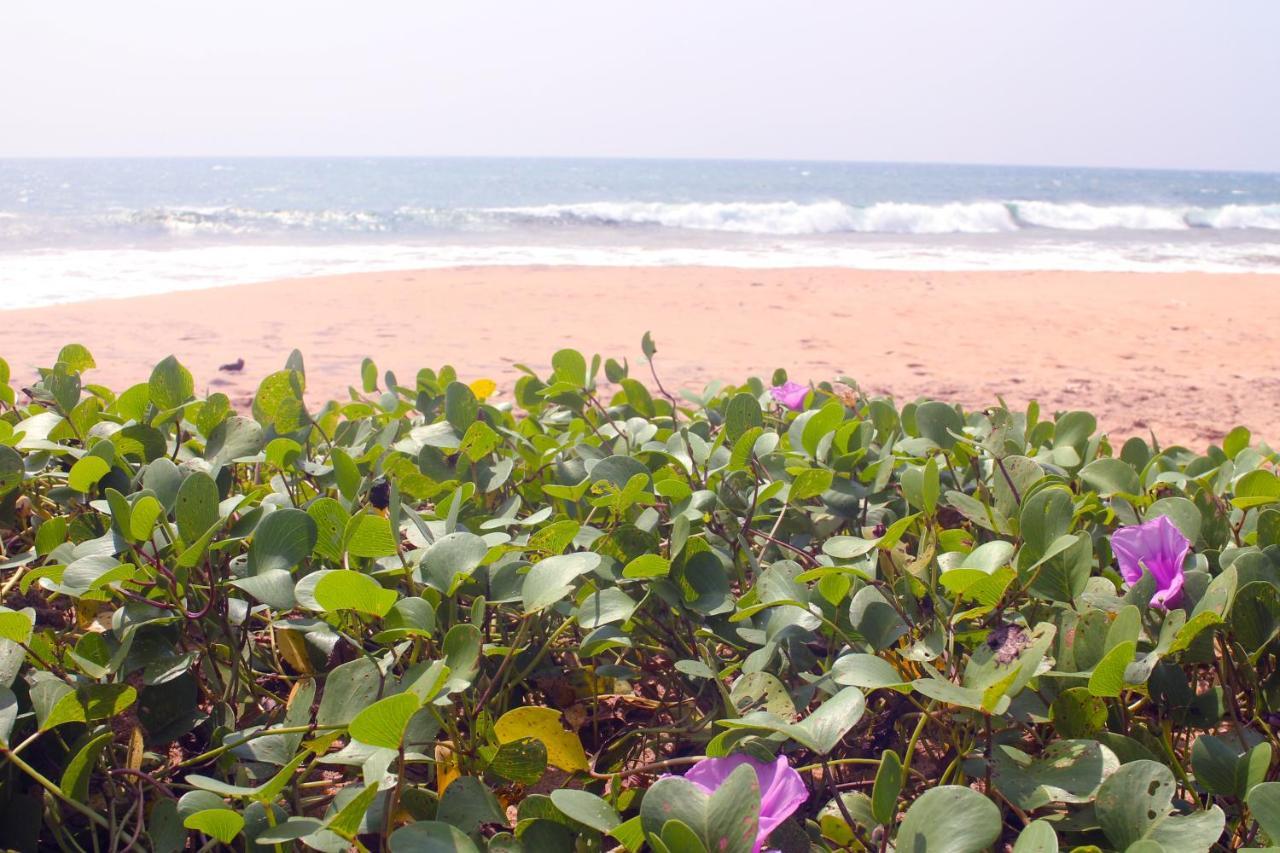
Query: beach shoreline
pixel 1186 355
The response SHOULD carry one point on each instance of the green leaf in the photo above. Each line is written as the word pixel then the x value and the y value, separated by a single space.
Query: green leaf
pixel 347 590
pixel 142 521
pixel 586 808
pixel 278 401
pixel 16 625
pixel 75 777
pixel 724 821
pixel 741 415
pixel 282 539
pixel 234 438
pixel 570 366
pixel 452 555
pixel 383 723
pixel 1183 513
pixel 937 421
pixel 369 536
pixel 171 385
pixel 647 566
pixel 331 524
pixel 196 506
pixel 809 483
pixel 86 473
pixel 1214 763
pixel 348 689
pixel 222 824
pixel 1135 804
pixel 678 836
pixel 821 731
pixel 522 761
pixel 1109 476
pixel 551 579
pixel 1108 676
pixel 430 836
pixel 460 406
pixel 875 619
pixel 949 819
pixel 1264 803
pixel 866 671
pixel 467 804
pixel 1066 771
pixel 1256 488
pixel 819 424
pixel 346 823
pixel 65 388
pixel 1077 713
pixel 888 785
pixel 1037 837
pixel 76 357
pixel 479 441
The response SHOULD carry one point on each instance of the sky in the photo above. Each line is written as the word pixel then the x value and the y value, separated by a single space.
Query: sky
pixel 1138 83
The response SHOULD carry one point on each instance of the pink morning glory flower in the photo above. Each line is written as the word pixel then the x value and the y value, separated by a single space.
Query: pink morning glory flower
pixel 1159 547
pixel 790 394
pixel 782 791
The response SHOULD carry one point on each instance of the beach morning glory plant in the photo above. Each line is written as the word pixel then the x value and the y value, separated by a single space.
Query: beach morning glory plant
pixel 790 394
pixel 1159 547
pixel 782 791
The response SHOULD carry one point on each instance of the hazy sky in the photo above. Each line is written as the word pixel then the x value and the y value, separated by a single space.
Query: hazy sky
pixel 1176 83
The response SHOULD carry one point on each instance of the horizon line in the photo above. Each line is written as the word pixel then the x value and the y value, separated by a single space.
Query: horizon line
pixel 643 158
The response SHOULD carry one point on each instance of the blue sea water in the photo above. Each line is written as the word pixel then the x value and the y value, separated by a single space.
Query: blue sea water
pixel 83 229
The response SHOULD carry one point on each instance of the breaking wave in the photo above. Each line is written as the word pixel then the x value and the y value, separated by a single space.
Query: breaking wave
pixel 830 217
pixel 776 218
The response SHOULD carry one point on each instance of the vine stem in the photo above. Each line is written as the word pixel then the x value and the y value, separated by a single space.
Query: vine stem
pixel 915 735
pixel 521 633
pixel 649 768
pixel 215 752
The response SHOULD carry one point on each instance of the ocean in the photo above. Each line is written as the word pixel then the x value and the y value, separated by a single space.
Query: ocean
pixel 72 230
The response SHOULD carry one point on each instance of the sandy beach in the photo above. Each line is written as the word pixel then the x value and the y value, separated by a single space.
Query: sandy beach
pixel 1186 355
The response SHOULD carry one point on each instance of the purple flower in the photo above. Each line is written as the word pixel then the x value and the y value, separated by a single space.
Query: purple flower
pixel 1159 547
pixel 790 394
pixel 782 791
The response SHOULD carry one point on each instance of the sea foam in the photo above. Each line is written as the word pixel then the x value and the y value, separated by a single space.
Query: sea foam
pixel 792 218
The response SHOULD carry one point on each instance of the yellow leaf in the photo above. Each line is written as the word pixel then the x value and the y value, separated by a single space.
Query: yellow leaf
pixel 482 388
pixel 446 767
pixel 564 749
pixel 86 614
pixel 293 649
pixel 134 759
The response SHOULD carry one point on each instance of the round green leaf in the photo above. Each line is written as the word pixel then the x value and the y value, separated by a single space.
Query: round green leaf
pixel 1136 804
pixel 86 473
pixel 430 836
pixel 222 824
pixel 171 385
pixel 348 590
pixel 950 819
pixel 369 536
pixel 383 723
pixel 196 506
pixel 552 579
pixel 586 808
pixel 282 539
